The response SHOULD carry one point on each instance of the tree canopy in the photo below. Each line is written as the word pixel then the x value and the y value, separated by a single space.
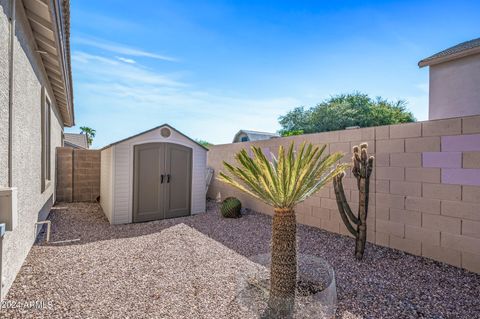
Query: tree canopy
pixel 204 143
pixel 342 111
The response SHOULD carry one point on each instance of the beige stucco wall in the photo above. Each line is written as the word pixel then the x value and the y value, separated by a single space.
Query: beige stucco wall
pixel 26 167
pixel 423 199
pixel 455 88
pixel 4 27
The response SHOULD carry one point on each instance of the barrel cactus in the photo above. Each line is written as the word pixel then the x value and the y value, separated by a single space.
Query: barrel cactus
pixel 231 208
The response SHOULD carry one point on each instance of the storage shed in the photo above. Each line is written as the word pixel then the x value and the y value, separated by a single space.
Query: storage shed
pixel 157 174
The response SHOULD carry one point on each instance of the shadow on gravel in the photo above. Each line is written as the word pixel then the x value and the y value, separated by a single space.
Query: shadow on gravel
pixel 386 284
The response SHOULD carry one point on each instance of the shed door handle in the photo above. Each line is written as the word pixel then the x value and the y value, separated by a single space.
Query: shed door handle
pixel 161 179
pixel 168 178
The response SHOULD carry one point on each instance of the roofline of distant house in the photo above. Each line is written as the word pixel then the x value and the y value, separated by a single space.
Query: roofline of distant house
pixel 83 137
pixel 257 132
pixel 441 59
pixel 73 145
pixel 248 132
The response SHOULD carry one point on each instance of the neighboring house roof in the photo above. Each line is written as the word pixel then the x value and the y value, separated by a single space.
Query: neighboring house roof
pixel 75 140
pixel 50 24
pixel 153 129
pixel 458 51
pixel 254 135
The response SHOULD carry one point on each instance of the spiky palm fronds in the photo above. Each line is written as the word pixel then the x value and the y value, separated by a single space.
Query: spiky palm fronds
pixel 287 179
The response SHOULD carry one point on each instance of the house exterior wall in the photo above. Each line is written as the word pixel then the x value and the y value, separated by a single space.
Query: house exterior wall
pixel 4 40
pixel 455 88
pixel 29 78
pixel 424 191
pixel 106 182
pixel 123 173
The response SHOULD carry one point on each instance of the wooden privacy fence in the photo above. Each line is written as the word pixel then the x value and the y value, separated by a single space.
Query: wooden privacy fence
pixel 78 175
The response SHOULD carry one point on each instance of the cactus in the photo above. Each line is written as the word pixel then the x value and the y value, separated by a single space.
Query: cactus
pixel 231 208
pixel 362 169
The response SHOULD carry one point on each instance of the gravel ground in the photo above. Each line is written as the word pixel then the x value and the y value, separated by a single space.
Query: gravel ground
pixel 181 268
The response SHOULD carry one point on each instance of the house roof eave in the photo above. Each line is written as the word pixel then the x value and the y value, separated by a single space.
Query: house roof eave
pixel 458 51
pixel 50 25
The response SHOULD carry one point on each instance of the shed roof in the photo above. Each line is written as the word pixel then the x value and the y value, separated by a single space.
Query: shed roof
pixel 76 139
pixel 153 129
pixel 255 135
pixel 457 51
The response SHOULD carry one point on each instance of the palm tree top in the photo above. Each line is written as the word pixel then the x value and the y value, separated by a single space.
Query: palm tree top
pixel 88 130
pixel 287 179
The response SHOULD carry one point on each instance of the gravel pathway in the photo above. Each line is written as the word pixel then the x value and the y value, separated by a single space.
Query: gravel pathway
pixel 182 268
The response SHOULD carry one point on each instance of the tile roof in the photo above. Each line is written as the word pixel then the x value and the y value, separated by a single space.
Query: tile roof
pixel 75 139
pixel 457 51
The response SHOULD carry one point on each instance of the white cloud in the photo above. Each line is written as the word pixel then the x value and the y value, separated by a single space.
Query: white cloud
pixel 97 69
pixel 135 98
pixel 423 87
pixel 129 61
pixel 122 49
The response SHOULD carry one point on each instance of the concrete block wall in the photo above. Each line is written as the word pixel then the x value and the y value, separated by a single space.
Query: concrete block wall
pixel 78 175
pixel 86 175
pixel 425 187
pixel 64 190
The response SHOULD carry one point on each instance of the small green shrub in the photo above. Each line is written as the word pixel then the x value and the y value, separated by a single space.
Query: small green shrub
pixel 231 208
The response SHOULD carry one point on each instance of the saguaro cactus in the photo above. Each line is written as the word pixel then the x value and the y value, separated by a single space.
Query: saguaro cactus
pixel 362 169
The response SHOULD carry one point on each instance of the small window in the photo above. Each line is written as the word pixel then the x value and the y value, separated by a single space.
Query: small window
pixel 244 139
pixel 46 141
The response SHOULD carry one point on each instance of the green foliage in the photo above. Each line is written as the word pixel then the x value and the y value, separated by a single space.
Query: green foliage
pixel 89 132
pixel 204 143
pixel 292 133
pixel 288 179
pixel 231 208
pixel 345 110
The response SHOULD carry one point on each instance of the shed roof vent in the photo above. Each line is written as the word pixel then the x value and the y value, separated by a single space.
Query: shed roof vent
pixel 165 132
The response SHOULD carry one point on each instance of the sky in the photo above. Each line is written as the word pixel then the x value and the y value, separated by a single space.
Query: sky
pixel 211 68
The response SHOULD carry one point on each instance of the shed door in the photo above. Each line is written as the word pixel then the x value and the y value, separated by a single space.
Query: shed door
pixel 147 188
pixel 178 164
pixel 162 181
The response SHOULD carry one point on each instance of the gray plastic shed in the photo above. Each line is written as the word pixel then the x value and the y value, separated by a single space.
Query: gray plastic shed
pixel 157 174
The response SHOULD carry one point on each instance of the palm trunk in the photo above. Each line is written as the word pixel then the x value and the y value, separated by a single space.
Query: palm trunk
pixel 283 274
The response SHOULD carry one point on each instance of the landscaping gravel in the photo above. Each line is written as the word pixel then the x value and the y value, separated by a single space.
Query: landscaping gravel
pixel 188 268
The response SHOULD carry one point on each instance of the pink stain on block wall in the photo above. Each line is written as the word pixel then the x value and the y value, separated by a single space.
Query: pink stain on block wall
pixel 461 143
pixel 265 150
pixel 442 159
pixel 461 176
pixel 267 153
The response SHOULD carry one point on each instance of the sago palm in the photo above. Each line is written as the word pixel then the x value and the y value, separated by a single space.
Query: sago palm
pixel 282 183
